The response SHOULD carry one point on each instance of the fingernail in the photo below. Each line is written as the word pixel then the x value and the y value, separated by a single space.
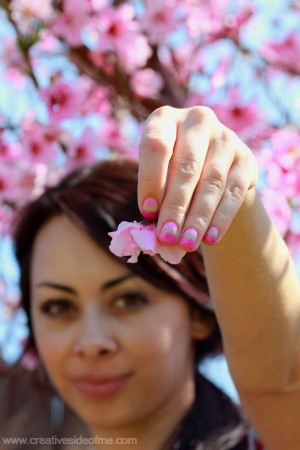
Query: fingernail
pixel 211 235
pixel 168 233
pixel 189 238
pixel 150 208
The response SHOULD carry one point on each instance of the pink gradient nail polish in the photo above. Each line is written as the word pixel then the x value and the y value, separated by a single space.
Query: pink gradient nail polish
pixel 168 233
pixel 150 208
pixel 189 238
pixel 211 235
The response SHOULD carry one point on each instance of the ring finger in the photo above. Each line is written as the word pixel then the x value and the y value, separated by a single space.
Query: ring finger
pixel 211 215
pixel 208 193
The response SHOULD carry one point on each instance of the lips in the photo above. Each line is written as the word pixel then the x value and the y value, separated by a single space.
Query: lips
pixel 101 385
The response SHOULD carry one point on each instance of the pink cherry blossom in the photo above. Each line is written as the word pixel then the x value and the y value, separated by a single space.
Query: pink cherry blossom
pixel 204 17
pixel 82 151
pixel 9 152
pixel 131 238
pixel 187 59
pixel 70 23
pixel 97 5
pixel 237 117
pixel 25 10
pixel 55 134
pixel 63 99
pixel 235 114
pixel 215 22
pixel 159 20
pixel 134 53
pixel 30 181
pixel 118 31
pixel 19 183
pixel 36 147
pixel 103 59
pixel 8 179
pixel 282 162
pixel 110 135
pixel 293 242
pixel 98 101
pixel 195 99
pixel 146 83
pixel 116 25
pixel 14 61
pixel 47 42
pixel 284 53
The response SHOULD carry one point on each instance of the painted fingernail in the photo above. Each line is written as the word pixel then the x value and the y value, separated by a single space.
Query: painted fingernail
pixel 150 208
pixel 189 238
pixel 168 233
pixel 211 235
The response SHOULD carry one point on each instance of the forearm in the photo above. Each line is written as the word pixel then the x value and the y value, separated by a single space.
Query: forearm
pixel 256 296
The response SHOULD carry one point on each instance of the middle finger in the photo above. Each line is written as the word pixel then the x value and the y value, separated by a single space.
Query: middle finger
pixel 183 175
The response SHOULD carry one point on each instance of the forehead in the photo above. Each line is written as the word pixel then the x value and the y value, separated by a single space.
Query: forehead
pixel 62 250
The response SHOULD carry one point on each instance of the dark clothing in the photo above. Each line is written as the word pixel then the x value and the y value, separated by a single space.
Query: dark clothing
pixel 213 423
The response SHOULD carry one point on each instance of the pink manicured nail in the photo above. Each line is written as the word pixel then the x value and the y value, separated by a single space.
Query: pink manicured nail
pixel 150 208
pixel 211 235
pixel 189 238
pixel 168 233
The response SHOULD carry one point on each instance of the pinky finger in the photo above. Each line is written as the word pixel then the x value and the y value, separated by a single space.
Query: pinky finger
pixel 237 186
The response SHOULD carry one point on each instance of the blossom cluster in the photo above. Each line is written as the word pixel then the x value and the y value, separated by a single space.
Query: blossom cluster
pixel 79 77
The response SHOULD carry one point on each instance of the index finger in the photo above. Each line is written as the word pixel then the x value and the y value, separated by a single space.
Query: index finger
pixel 155 151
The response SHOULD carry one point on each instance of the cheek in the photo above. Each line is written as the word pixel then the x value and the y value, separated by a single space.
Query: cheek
pixel 51 346
pixel 162 336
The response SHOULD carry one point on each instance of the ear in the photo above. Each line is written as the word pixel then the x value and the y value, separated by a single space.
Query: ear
pixel 201 326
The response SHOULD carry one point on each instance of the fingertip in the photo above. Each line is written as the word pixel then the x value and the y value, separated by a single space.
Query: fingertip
pixel 150 209
pixel 211 236
pixel 189 239
pixel 168 233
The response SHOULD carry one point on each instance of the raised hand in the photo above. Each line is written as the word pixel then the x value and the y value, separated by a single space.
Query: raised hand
pixel 194 174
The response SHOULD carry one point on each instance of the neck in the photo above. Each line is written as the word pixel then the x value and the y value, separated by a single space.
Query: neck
pixel 156 432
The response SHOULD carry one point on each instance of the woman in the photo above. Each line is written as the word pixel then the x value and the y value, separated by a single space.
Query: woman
pixel 120 342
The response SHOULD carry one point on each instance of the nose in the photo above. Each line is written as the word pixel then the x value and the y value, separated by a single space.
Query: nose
pixel 95 338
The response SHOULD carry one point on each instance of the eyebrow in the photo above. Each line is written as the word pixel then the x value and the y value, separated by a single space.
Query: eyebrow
pixel 107 285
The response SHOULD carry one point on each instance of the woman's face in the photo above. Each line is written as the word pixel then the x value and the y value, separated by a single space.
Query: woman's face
pixel 115 347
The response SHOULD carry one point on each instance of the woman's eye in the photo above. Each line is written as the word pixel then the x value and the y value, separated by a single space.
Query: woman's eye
pixel 57 307
pixel 130 300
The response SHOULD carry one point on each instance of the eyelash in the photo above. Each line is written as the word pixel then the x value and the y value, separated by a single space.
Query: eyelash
pixel 47 307
pixel 133 300
pixel 136 299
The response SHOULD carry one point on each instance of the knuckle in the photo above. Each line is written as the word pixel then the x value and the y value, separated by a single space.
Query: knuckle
pixel 202 113
pixel 236 191
pixel 166 109
pixel 175 209
pixel 214 182
pixel 188 168
pixel 227 135
pixel 201 220
pixel 159 112
pixel 154 144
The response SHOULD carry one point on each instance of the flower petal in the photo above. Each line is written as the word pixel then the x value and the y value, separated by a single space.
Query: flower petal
pixel 132 237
